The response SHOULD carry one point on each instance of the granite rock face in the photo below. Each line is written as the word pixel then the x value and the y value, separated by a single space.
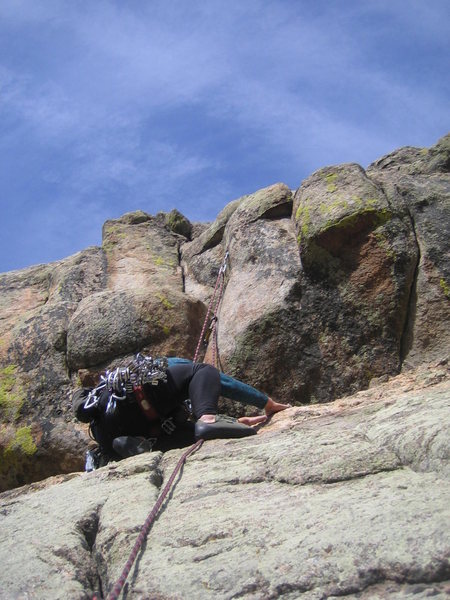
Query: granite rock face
pixel 418 180
pixel 359 255
pixel 345 499
pixel 327 289
pixel 37 434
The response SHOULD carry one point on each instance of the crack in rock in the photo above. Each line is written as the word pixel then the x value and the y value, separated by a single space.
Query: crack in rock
pixel 410 316
pixel 88 527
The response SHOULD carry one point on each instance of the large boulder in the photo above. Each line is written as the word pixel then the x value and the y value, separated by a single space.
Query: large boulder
pixel 359 255
pixel 261 279
pixel 342 499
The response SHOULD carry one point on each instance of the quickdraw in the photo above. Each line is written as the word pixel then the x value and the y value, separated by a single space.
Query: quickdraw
pixel 123 381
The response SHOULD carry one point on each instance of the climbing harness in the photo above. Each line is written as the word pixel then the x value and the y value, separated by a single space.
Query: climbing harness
pixel 117 588
pixel 212 332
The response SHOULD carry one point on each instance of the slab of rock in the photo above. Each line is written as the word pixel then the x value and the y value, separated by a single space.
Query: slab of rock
pixel 344 499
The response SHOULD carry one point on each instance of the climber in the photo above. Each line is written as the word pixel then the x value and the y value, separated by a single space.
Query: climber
pixel 142 407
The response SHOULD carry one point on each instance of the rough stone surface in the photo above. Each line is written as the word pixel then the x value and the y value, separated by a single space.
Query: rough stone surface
pixel 178 223
pixel 359 255
pixel 366 295
pixel 419 181
pixel 203 256
pixel 346 499
pixel 264 264
pixel 36 306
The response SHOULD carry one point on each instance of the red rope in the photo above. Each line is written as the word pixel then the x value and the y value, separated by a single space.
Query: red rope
pixel 221 278
pixel 114 593
pixel 214 325
pixel 208 312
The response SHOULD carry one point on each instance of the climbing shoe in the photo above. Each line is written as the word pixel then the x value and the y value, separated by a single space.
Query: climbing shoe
pixel 127 445
pixel 223 427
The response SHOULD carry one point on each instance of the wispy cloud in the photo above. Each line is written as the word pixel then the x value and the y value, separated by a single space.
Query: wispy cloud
pixel 106 107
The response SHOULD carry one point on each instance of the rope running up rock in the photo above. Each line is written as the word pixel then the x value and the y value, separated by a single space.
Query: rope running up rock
pixel 115 592
pixel 220 279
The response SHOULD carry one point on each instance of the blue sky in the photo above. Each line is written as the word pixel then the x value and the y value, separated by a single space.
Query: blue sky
pixel 110 106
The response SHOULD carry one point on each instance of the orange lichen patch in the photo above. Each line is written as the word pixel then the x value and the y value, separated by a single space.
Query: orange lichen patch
pixel 19 302
pixel 372 275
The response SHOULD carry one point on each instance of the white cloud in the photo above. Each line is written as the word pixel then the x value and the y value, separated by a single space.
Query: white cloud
pixel 309 83
pixel 265 66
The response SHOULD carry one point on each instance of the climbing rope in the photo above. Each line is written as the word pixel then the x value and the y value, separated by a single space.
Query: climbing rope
pixel 115 592
pixel 213 322
pixel 220 283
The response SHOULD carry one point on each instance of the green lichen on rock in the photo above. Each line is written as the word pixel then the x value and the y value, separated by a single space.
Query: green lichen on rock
pixel 331 182
pixel 6 381
pixel 17 449
pixel 11 394
pixel 178 223
pixel 384 243
pixel 445 287
pixel 325 245
pixel 136 217
pixel 355 207
pixel 165 262
pixel 112 235
pixel 165 301
pixel 302 215
pixel 377 217
pixel 271 202
pixel 22 442
pixel 340 204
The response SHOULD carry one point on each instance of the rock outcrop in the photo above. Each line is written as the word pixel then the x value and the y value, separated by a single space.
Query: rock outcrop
pixel 345 499
pixel 348 285
pixel 418 180
pixel 327 289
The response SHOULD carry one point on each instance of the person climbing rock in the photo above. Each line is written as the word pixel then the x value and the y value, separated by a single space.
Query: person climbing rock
pixel 143 407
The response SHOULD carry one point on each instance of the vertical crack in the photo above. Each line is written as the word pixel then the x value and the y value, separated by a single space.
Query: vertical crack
pixel 95 572
pixel 88 527
pixel 407 337
pixel 183 275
